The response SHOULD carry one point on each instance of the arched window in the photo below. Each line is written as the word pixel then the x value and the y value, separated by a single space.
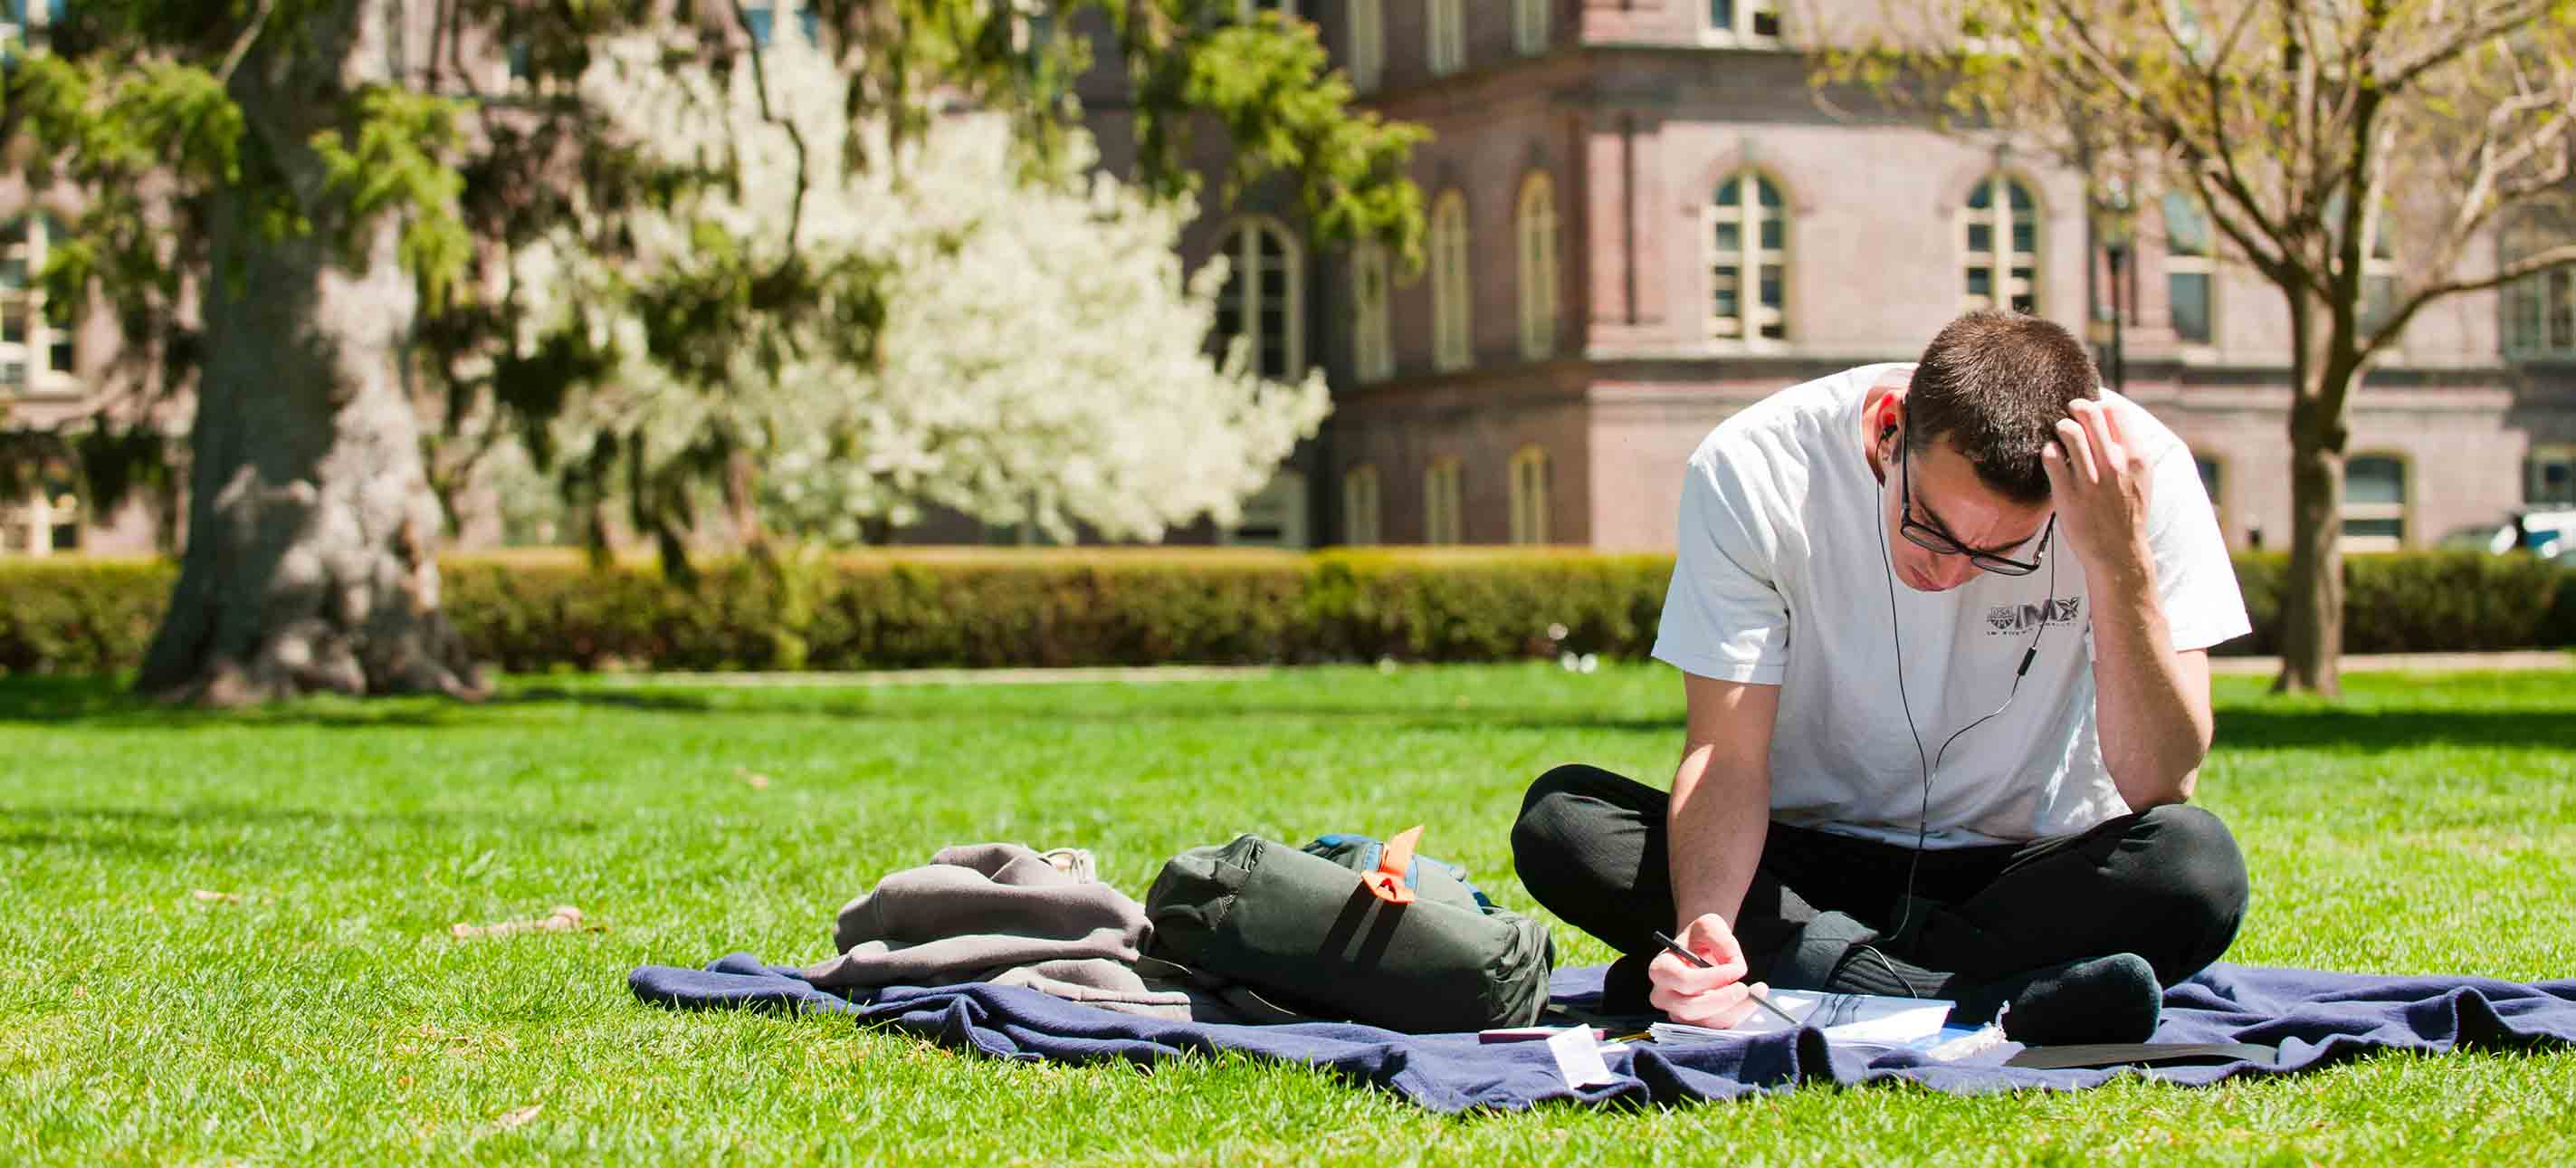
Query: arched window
pixel 1744 20
pixel 1529 26
pixel 1372 338
pixel 35 336
pixel 2189 270
pixel 1360 506
pixel 2374 503
pixel 1537 223
pixel 1999 231
pixel 1442 516
pixel 1261 301
pixel 1748 267
pixel 1445 46
pixel 1368 44
pixel 1530 489
pixel 1450 347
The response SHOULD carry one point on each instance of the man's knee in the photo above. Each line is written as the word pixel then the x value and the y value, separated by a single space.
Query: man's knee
pixel 2197 882
pixel 1560 815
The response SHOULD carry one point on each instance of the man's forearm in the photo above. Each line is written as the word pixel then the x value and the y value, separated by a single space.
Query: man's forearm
pixel 1714 831
pixel 2154 729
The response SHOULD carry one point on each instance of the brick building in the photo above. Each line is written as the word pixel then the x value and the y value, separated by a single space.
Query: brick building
pixel 1642 220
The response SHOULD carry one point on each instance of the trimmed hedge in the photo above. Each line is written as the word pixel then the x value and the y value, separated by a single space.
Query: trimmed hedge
pixel 536 611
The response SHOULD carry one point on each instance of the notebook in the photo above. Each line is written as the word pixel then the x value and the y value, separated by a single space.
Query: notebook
pixel 1858 1019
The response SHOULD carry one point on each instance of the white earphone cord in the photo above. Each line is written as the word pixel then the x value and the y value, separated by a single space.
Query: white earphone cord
pixel 1923 819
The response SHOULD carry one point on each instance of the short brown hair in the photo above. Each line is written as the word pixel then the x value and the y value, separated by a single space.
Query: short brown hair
pixel 1995 383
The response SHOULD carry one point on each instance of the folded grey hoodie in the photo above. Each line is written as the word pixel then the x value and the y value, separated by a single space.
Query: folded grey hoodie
pixel 1001 913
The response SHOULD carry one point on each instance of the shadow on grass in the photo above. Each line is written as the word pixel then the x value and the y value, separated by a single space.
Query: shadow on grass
pixel 103 702
pixel 2380 730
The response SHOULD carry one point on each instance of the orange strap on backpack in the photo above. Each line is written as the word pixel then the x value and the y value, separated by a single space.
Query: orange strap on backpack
pixel 1393 861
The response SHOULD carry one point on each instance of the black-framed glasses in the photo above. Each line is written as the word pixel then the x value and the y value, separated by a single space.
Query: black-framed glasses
pixel 1936 540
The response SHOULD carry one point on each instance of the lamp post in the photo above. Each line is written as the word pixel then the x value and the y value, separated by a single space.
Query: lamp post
pixel 2114 226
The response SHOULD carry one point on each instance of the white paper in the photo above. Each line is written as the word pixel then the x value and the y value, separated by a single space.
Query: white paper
pixel 1853 1018
pixel 1578 1057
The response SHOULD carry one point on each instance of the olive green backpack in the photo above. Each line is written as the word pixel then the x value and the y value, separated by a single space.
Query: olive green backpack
pixel 1342 942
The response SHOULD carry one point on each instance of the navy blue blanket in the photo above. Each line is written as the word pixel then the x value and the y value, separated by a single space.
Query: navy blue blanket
pixel 2316 1019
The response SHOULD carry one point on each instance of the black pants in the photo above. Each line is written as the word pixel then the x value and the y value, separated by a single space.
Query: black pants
pixel 2167 884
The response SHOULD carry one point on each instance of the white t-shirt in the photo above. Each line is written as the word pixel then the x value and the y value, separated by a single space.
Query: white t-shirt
pixel 1782 578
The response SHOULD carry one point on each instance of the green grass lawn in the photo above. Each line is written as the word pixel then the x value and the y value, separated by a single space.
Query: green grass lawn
pixel 2422 827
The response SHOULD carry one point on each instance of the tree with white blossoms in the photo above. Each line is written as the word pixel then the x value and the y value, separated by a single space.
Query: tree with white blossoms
pixel 304 209
pixel 1040 354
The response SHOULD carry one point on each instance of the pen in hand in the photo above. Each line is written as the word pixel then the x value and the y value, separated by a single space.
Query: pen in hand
pixel 1703 963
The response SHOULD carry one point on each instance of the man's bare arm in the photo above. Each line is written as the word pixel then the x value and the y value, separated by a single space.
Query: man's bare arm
pixel 1721 808
pixel 2150 702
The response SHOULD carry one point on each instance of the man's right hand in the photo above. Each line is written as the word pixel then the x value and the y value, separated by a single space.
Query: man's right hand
pixel 1715 997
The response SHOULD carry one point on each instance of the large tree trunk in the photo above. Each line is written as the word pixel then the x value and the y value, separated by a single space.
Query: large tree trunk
pixel 312 528
pixel 2312 597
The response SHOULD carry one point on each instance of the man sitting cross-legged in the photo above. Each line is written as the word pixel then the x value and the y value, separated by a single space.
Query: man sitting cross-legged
pixel 1943 629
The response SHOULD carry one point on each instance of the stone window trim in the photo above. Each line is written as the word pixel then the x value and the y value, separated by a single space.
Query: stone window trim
pixel 2215 480
pixel 1452 286
pixel 2383 526
pixel 2190 258
pixel 1532 490
pixel 1741 24
pixel 1444 41
pixel 1253 308
pixel 2009 199
pixel 1529 26
pixel 2539 310
pixel 1367 51
pixel 1443 518
pixel 1758 201
pixel 37 354
pixel 1540 273
pixel 1362 506
pixel 1372 331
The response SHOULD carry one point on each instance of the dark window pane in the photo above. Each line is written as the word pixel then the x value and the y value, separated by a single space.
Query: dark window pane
pixel 2024 304
pixel 1770 195
pixel 1721 14
pixel 2190 294
pixel 2209 473
pixel 1729 236
pixel 2019 195
pixel 1730 193
pixel 13 325
pixel 1982 198
pixel 13 274
pixel 2389 528
pixel 1766 24
pixel 1775 330
pixel 1981 282
pixel 1770 287
pixel 2374 479
pixel 1773 235
pixel 1981 238
pixel 759 22
pixel 60 355
pixel 2025 235
pixel 812 24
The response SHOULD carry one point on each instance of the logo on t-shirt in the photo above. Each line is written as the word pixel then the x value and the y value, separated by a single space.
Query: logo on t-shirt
pixel 2006 619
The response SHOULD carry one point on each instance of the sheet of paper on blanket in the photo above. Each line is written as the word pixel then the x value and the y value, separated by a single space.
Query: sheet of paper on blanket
pixel 1855 1019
